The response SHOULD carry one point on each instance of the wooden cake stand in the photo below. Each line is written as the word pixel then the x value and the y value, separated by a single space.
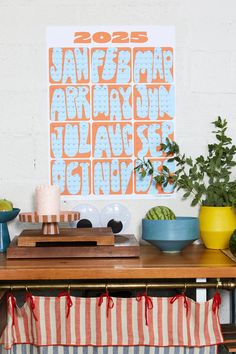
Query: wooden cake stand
pixel 49 222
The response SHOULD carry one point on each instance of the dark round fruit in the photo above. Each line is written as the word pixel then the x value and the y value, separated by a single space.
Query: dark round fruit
pixel 115 225
pixel 84 223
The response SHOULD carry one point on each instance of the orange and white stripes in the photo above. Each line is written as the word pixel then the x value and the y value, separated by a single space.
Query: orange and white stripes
pixel 89 323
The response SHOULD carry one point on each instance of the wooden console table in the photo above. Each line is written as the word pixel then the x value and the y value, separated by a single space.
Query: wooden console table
pixel 195 261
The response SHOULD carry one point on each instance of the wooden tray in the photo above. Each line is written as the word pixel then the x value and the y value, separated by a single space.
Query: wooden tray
pixel 125 246
pixel 96 236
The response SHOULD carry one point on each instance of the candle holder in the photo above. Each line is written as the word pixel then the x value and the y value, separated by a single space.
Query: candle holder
pixel 6 216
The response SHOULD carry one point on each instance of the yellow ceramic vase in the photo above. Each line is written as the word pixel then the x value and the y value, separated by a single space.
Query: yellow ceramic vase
pixel 216 226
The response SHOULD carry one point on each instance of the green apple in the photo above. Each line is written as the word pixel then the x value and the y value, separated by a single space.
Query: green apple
pixel 5 205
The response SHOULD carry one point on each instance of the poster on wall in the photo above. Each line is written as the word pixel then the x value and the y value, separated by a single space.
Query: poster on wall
pixel 111 102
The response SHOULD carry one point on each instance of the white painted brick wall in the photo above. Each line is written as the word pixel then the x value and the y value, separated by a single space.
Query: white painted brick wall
pixel 205 81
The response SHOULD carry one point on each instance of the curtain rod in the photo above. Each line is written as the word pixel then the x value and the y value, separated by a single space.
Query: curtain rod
pixel 115 286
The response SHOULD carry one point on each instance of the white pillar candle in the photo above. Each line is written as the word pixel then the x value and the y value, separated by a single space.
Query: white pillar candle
pixel 47 200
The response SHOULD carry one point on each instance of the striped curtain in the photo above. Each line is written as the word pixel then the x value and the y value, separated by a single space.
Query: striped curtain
pixel 110 325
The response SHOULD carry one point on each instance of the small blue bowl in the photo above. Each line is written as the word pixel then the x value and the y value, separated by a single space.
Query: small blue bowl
pixel 171 235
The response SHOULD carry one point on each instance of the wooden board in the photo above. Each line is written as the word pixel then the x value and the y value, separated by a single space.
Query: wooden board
pixel 125 246
pixel 96 235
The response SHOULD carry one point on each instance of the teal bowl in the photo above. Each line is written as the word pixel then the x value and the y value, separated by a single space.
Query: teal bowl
pixel 6 216
pixel 171 235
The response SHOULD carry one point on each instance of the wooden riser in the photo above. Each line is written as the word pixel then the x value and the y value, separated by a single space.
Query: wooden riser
pixel 97 235
pixel 125 246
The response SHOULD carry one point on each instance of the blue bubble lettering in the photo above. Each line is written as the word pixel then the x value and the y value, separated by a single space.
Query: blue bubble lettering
pixel 102 144
pixel 71 140
pixel 56 68
pixel 109 68
pixel 115 176
pixel 142 102
pixel 126 107
pixel 77 102
pixel 167 130
pixel 158 73
pixel 144 140
pixel 115 107
pixel 128 139
pixel 101 178
pixel 123 72
pixel 167 101
pixel 168 65
pixel 59 174
pixel 73 178
pixel 69 73
pixel 56 142
pixel 126 175
pixel 97 61
pixel 142 65
pixel 58 106
pixel 153 103
pixel 100 100
pixel 154 140
pixel 85 178
pixel 84 147
pixel 82 65
pixel 115 135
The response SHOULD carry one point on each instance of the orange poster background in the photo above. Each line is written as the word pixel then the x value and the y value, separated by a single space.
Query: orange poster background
pixel 95 128
pixel 52 88
pixel 159 189
pixel 137 95
pixel 102 116
pixel 53 127
pixel 68 81
pixel 138 143
pixel 76 173
pixel 143 76
pixel 129 189
pixel 115 60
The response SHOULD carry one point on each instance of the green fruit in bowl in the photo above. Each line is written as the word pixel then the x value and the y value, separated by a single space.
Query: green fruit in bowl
pixel 160 213
pixel 5 205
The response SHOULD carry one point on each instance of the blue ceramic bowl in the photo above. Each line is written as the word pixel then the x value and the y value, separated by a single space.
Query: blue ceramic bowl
pixel 171 235
pixel 6 216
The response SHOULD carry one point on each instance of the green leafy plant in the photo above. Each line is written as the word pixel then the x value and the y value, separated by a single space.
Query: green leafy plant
pixel 207 180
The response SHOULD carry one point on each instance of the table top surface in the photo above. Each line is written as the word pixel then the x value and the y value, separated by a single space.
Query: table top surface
pixel 195 261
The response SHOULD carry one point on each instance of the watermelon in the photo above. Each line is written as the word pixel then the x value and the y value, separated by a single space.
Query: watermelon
pixel 160 213
pixel 232 243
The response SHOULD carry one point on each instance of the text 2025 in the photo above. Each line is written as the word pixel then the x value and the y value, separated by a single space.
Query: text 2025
pixel 114 37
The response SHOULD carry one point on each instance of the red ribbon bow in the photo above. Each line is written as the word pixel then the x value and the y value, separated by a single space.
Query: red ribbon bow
pixel 29 296
pixel 69 302
pixel 177 296
pixel 12 299
pixel 148 304
pixel 216 301
pixel 110 302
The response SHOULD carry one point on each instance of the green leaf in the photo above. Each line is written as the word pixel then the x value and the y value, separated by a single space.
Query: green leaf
pixel 143 173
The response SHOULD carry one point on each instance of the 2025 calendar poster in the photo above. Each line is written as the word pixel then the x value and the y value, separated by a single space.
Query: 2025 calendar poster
pixel 111 102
